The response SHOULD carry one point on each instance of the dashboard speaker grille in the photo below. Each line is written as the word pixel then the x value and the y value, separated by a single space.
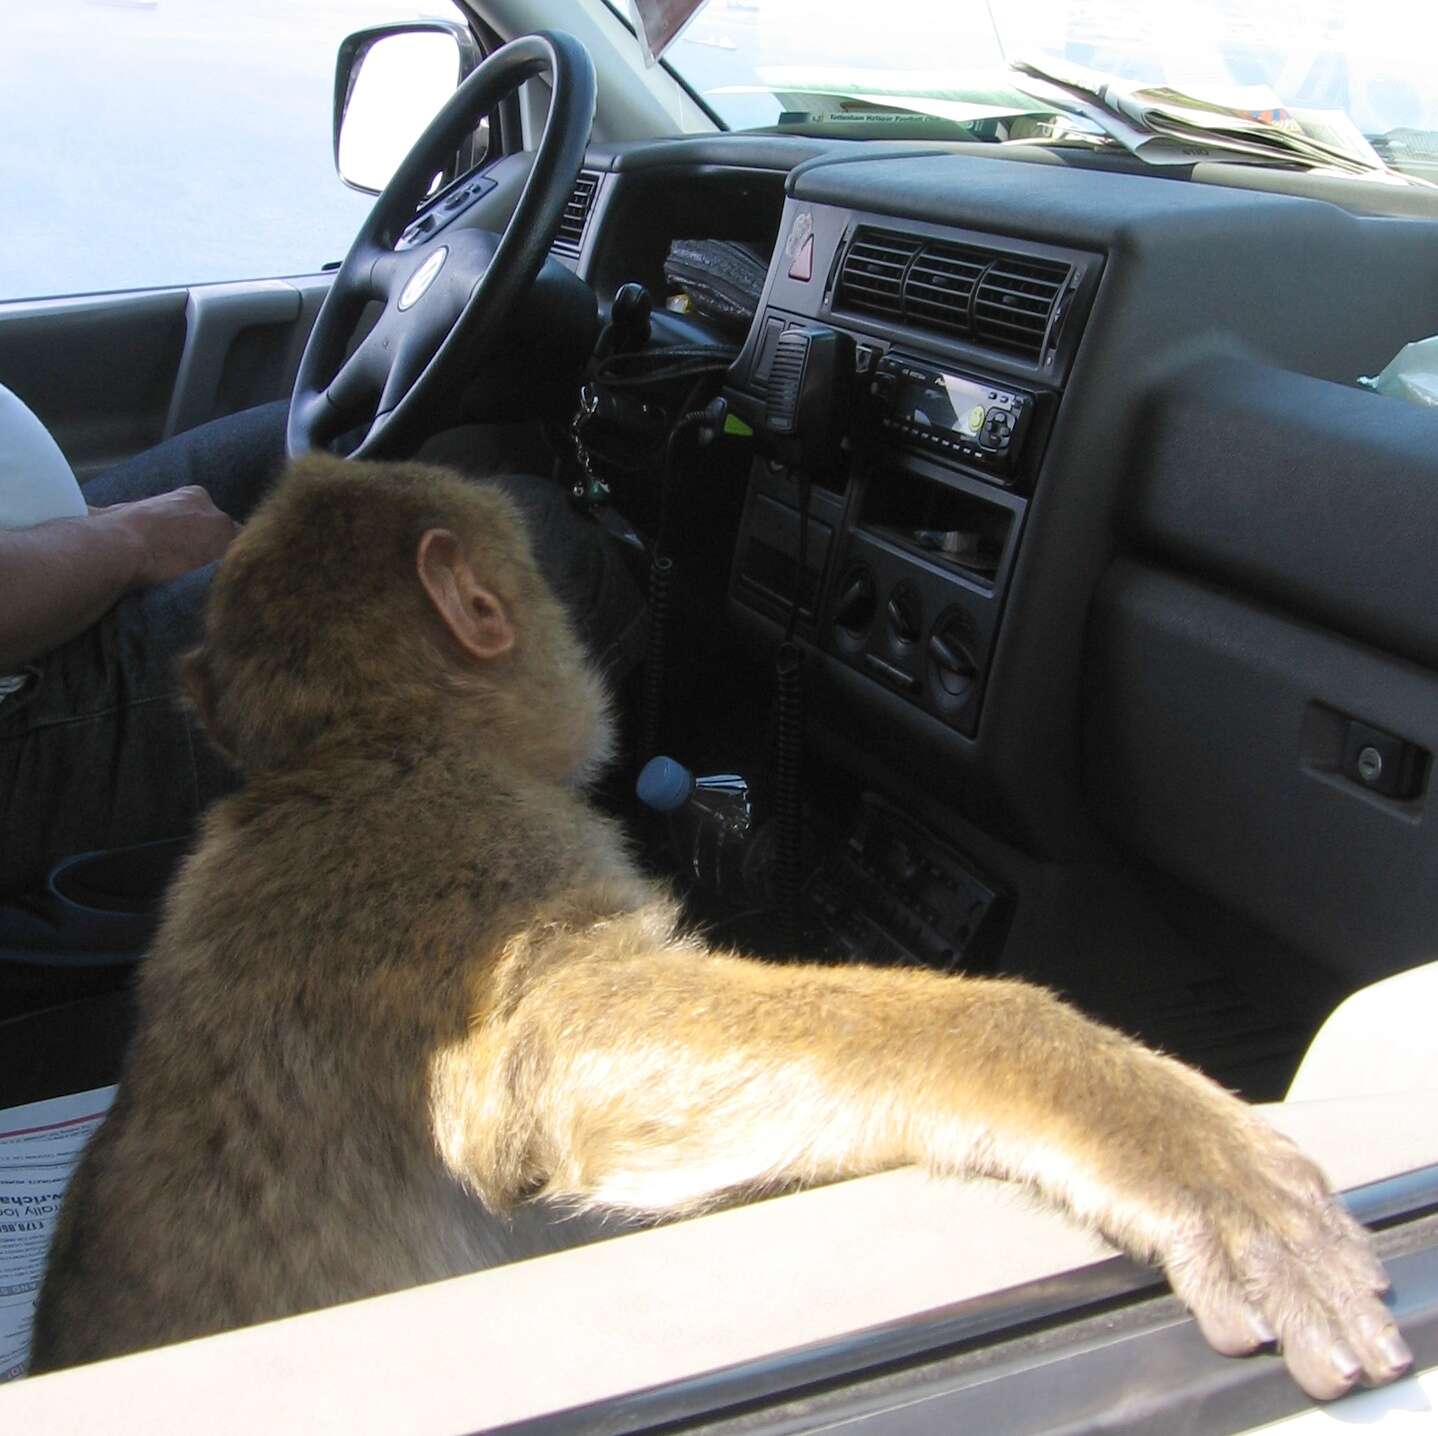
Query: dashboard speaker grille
pixel 570 234
pixel 994 297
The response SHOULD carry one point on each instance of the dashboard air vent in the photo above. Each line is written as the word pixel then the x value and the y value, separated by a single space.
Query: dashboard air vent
pixel 570 234
pixel 1014 303
pixel 874 269
pixel 940 287
pixel 1004 300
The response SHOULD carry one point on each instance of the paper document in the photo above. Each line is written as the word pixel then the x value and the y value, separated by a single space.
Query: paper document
pixel 1247 123
pixel 40 1145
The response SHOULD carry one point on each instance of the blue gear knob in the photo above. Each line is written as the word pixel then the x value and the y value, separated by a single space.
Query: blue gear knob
pixel 664 785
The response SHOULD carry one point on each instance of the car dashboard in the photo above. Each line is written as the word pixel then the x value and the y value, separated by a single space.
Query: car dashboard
pixel 1109 553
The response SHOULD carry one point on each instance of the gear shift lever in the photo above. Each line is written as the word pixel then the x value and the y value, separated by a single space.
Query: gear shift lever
pixel 629 314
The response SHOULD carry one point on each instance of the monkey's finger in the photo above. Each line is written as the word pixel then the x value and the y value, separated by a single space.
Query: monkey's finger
pixel 1331 1338
pixel 1380 1347
pixel 1233 1327
pixel 1203 1280
pixel 1326 1366
pixel 1352 1271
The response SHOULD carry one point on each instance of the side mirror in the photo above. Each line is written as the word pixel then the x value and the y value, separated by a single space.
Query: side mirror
pixel 389 82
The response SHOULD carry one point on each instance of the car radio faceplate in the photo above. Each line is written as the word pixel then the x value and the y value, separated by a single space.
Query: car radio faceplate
pixel 953 415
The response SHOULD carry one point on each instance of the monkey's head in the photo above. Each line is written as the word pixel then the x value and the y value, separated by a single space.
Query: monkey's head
pixel 394 603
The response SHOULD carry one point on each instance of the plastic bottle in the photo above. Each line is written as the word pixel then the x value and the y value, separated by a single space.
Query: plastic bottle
pixel 711 823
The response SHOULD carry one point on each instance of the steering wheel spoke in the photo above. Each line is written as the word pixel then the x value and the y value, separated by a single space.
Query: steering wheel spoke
pixel 361 378
pixel 446 301
pixel 413 356
pixel 318 417
pixel 385 270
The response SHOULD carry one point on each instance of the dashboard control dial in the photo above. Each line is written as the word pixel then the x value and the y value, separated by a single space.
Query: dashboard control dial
pixel 906 614
pixel 953 671
pixel 857 602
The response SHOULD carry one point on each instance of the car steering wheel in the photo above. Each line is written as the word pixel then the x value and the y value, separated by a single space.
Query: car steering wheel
pixel 447 298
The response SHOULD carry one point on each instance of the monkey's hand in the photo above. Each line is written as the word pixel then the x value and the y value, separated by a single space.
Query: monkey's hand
pixel 1169 1166
pixel 665 1081
pixel 1259 1251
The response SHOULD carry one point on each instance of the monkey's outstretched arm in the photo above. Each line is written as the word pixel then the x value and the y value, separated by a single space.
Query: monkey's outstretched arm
pixel 663 1082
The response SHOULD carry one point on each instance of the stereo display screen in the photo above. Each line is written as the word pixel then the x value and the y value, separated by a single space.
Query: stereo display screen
pixel 943 402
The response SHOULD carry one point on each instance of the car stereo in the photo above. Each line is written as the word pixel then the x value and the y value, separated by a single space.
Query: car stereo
pixel 968 419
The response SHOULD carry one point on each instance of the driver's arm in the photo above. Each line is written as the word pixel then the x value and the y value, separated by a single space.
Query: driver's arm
pixel 58 578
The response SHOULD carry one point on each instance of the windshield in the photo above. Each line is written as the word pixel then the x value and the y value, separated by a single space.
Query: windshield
pixel 861 64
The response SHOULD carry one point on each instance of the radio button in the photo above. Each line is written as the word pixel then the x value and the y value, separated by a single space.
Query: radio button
pixel 997 429
pixel 883 389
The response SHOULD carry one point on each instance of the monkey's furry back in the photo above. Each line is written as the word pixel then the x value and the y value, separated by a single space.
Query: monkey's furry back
pixel 272 1145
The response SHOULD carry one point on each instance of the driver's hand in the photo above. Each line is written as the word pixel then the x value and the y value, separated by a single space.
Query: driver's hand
pixel 174 532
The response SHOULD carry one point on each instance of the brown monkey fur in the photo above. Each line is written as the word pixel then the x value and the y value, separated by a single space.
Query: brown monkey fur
pixel 411 979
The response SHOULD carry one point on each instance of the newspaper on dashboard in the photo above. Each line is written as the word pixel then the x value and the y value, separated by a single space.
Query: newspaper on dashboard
pixel 40 1145
pixel 1163 125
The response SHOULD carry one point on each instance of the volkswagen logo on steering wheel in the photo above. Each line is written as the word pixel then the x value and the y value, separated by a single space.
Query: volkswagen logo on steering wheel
pixel 422 278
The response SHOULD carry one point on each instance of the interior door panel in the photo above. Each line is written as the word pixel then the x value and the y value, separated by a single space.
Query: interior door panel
pixel 1216 744
pixel 98 370
pixel 242 345
pixel 113 374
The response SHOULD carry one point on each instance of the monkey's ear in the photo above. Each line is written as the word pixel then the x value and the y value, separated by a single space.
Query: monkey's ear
pixel 472 613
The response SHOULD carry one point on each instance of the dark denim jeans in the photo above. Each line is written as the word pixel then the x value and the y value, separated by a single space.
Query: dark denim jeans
pixel 96 752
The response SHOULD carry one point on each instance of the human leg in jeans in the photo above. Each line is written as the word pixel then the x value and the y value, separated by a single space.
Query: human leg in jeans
pixel 97 751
